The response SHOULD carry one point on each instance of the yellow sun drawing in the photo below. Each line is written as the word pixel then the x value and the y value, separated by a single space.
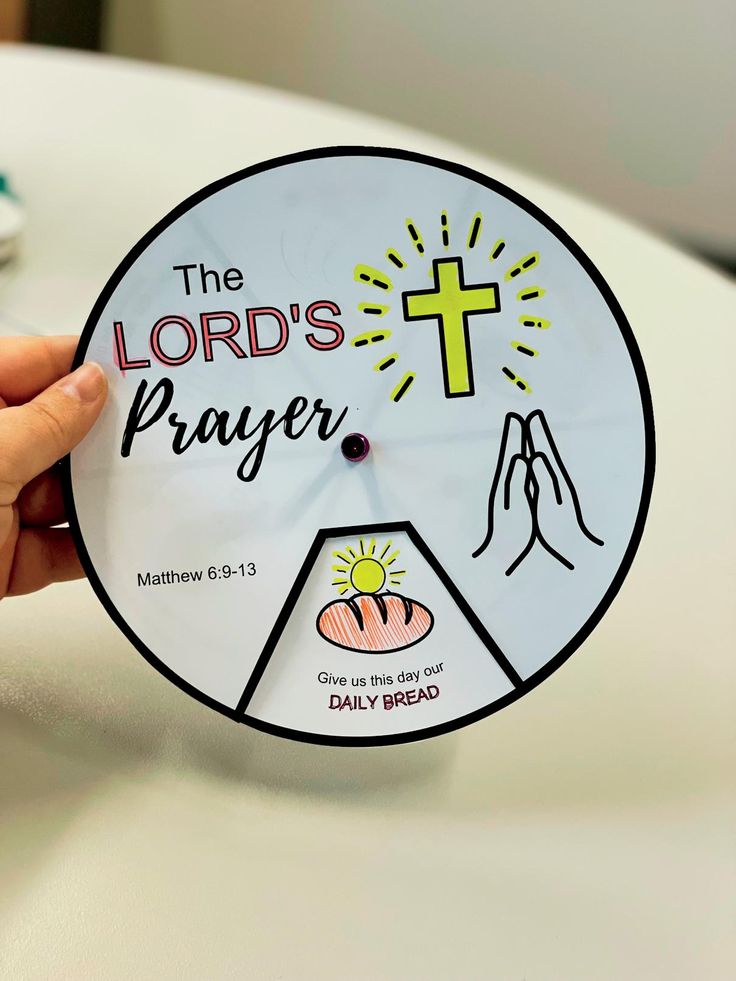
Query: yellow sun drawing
pixel 383 282
pixel 365 570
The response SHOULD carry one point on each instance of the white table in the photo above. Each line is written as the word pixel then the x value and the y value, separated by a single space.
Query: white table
pixel 581 834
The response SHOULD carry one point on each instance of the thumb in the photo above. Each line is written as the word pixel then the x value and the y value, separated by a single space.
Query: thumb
pixel 35 435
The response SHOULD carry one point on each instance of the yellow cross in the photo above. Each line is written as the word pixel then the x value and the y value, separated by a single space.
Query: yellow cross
pixel 451 303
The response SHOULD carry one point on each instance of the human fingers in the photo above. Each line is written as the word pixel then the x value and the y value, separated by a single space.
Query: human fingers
pixel 512 443
pixel 43 556
pixel 546 479
pixel 28 365
pixel 41 502
pixel 35 435
pixel 548 489
pixel 543 442
pixel 514 486
pixel 541 439
pixel 515 496
pixel 512 446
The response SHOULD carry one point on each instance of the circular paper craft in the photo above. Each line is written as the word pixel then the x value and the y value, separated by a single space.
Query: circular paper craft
pixel 378 449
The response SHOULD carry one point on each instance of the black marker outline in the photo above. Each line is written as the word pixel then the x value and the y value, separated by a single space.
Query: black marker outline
pixel 380 601
pixel 475 229
pixel 356 531
pixel 436 263
pixel 644 393
pixel 532 488
pixel 539 414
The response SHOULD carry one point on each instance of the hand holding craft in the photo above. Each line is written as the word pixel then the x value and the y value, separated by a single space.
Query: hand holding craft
pixel 310 394
pixel 44 413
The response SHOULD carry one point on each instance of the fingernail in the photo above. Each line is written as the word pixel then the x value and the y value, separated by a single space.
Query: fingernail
pixel 86 383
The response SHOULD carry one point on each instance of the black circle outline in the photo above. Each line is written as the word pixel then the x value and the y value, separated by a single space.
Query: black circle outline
pixel 644 391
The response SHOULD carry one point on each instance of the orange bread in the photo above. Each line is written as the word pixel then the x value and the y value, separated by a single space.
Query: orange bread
pixel 374 622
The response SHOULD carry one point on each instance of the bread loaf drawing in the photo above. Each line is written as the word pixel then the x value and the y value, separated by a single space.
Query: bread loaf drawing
pixel 374 623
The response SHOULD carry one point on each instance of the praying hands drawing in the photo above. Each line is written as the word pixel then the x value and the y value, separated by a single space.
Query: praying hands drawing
pixel 532 497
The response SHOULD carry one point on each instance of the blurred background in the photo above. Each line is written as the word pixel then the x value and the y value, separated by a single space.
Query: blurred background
pixel 631 103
